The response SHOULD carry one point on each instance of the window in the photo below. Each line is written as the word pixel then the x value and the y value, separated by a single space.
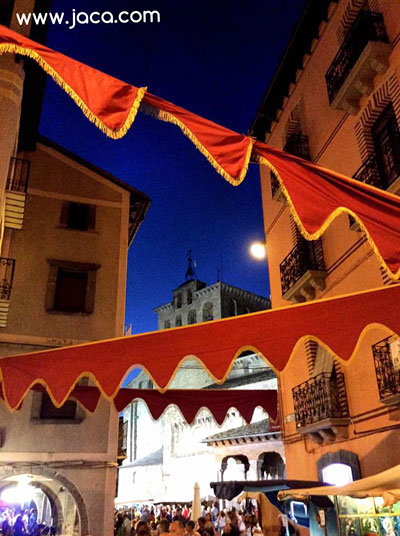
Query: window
pixel 167 324
pixel 78 216
pixel 178 301
pixel 71 287
pixel 337 474
pixel 208 312
pixel 192 317
pixel 189 296
pixel 386 136
pixel 233 307
pixel 178 320
pixel 49 411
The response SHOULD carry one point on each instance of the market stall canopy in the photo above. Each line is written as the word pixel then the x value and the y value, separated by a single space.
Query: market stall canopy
pixel 337 324
pixel 385 485
pixel 315 195
pixel 269 512
pixel 189 401
pixel 230 489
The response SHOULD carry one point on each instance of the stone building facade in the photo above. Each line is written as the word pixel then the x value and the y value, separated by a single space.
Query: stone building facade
pixel 335 100
pixel 178 453
pixel 67 229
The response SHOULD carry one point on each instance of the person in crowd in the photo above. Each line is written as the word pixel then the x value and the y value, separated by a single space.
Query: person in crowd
pixel 119 525
pixel 230 529
pixel 6 529
pixel 19 528
pixel 177 528
pixel 209 524
pixel 163 527
pixel 179 517
pixel 32 521
pixel 190 529
pixel 201 526
pixel 220 523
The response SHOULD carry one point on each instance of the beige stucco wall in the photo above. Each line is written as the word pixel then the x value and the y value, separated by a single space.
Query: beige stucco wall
pixel 55 178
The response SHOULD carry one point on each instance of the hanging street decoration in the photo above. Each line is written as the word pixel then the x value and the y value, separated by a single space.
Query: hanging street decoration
pixel 214 344
pixel 316 196
pixel 188 401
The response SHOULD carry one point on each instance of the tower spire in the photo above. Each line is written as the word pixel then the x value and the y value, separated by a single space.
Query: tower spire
pixel 190 273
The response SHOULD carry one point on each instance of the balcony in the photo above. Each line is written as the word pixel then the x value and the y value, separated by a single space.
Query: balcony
pixel 16 187
pixel 7 267
pixel 362 56
pixel 387 368
pixel 303 271
pixel 297 144
pixel 320 407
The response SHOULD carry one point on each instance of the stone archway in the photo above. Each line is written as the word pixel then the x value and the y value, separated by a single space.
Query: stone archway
pixel 239 459
pixel 62 481
pixel 270 465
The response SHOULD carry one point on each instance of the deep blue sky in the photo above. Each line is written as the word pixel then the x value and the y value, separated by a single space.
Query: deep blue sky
pixel 216 58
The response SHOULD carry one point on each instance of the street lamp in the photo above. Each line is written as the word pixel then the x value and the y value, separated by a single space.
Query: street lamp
pixel 258 250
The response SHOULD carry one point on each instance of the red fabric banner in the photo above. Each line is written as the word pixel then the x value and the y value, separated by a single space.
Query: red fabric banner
pixel 226 150
pixel 189 401
pixel 335 323
pixel 317 195
pixel 106 101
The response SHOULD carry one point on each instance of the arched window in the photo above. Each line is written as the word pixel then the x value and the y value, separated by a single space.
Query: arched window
pixel 233 307
pixel 178 301
pixel 178 320
pixel 189 296
pixel 167 324
pixel 270 465
pixel 208 312
pixel 339 468
pixel 192 317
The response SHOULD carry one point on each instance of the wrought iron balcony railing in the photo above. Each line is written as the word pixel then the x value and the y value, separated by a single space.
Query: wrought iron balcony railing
pixel 303 257
pixel 368 26
pixel 387 367
pixel 318 399
pixel 18 175
pixel 7 267
pixel 369 172
pixel 297 144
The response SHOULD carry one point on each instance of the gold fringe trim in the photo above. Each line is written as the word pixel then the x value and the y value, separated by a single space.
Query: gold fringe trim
pixel 169 118
pixel 297 345
pixel 114 134
pixel 337 212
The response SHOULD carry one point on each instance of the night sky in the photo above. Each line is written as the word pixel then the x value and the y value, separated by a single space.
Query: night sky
pixel 216 58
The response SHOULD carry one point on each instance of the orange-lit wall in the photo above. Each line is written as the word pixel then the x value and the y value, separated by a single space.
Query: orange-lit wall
pixel 349 260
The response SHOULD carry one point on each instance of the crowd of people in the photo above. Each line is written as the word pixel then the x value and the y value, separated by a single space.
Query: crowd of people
pixel 16 522
pixel 176 521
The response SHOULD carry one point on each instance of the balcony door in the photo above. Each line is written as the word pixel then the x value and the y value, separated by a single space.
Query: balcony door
pixel 386 137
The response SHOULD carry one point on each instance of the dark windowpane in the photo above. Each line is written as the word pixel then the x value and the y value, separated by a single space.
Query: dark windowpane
pixel 49 411
pixel 70 292
pixel 386 136
pixel 78 216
